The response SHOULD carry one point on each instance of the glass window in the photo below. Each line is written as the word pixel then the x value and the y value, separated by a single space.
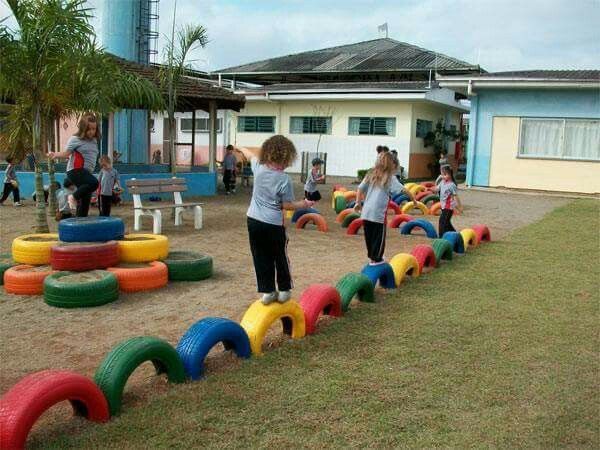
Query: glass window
pixel 256 124
pixel 373 126
pixel 310 125
pixel 202 125
pixel 423 127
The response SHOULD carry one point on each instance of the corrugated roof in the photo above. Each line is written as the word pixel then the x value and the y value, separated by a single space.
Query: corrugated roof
pixel 393 86
pixel 368 56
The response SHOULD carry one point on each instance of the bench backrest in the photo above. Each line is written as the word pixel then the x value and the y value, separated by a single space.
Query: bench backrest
pixel 156 185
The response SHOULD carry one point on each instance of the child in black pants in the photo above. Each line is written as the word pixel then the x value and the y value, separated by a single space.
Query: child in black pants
pixel 10 183
pixel 107 180
pixel 448 199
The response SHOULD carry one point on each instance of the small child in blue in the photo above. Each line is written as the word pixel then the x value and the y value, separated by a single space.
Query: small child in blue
pixel 314 176
pixel 108 180
pixel 229 170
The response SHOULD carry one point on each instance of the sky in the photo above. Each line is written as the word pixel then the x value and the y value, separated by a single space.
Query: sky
pixel 497 34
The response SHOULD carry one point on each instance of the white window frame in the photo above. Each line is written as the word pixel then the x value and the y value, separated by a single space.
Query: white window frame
pixel 371 118
pixel 554 158
pixel 328 120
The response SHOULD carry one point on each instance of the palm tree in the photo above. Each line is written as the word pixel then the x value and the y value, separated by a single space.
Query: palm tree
pixel 178 46
pixel 51 68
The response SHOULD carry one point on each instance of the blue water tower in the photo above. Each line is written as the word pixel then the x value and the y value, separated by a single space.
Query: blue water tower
pixel 129 31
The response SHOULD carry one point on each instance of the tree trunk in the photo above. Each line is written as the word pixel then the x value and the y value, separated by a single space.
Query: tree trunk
pixel 41 221
pixel 172 148
pixel 52 205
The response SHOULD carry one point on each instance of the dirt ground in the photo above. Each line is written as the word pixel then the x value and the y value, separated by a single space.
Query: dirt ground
pixel 34 336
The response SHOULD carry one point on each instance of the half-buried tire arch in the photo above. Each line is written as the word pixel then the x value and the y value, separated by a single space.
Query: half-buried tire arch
pixel 355 285
pixel 349 219
pixel 341 216
pixel 202 336
pixel 317 299
pixel 382 273
pixel 315 219
pixel 300 212
pixel 118 365
pixel 425 256
pixel 410 206
pixel 399 220
pixel 469 238
pixel 482 232
pixel 442 249
pixel 34 394
pixel 354 226
pixel 455 240
pixel 340 204
pixel 404 264
pixel 408 227
pixel 259 318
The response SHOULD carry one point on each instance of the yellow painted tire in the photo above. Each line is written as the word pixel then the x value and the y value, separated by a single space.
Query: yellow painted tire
pixel 335 195
pixel 33 249
pixel 259 318
pixel 142 248
pixel 469 238
pixel 409 185
pixel 416 189
pixel 409 206
pixel 404 264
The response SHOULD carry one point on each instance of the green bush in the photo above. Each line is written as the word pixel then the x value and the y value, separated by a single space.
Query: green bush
pixel 361 173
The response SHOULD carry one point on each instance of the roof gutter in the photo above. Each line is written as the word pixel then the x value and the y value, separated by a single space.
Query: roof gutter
pixel 470 83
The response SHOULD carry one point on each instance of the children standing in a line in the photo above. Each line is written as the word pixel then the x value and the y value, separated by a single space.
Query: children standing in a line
pixel 65 200
pixel 271 194
pixel 448 199
pixel 10 183
pixel 376 189
pixel 314 176
pixel 108 179
pixel 229 169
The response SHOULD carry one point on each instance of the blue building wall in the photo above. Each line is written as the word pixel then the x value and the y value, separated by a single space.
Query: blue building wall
pixel 582 103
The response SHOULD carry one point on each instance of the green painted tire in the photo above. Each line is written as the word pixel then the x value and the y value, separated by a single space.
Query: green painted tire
pixel 80 289
pixel 349 218
pixel 442 249
pixel 116 368
pixel 355 284
pixel 6 262
pixel 340 204
pixel 188 266
pixel 429 198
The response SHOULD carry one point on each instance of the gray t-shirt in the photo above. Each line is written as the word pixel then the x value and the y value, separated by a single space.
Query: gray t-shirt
pixel 377 198
pixel 229 162
pixel 311 181
pixel 447 191
pixel 83 153
pixel 62 197
pixel 107 180
pixel 271 188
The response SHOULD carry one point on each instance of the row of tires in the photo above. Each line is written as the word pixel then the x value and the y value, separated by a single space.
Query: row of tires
pixel 101 398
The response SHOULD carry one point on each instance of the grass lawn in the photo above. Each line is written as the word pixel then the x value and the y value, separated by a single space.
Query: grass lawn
pixel 498 348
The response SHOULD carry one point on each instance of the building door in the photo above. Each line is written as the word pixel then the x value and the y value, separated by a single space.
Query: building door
pixel 167 140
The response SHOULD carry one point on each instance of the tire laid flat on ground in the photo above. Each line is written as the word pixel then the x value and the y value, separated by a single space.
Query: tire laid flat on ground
pixel 91 229
pixel 24 279
pixel 143 247
pixel 137 277
pixel 33 249
pixel 80 289
pixel 6 262
pixel 82 256
pixel 188 266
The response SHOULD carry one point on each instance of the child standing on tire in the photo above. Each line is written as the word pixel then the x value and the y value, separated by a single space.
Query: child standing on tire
pixel 376 189
pixel 229 168
pixel 448 199
pixel 10 183
pixel 271 194
pixel 314 176
pixel 108 180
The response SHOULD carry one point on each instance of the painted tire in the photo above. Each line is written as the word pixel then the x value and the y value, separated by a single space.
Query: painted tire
pixel 26 280
pixel 141 276
pixel 340 204
pixel 409 185
pixel 414 190
pixel 82 256
pixel 334 196
pixel 300 212
pixel 410 206
pixel 469 238
pixel 317 299
pixel 400 198
pixel 6 262
pixel 354 226
pixel 355 285
pixel 425 256
pixel 33 249
pixel 382 273
pixel 430 198
pixel 258 318
pixel 141 247
pixel 114 371
pixel 423 194
pixel 427 184
pixel 350 195
pixel 188 266
pixel 341 216
pixel 404 264
pixel 80 289
pixel 393 206
pixel 456 241
pixel 349 219
pixel 338 187
pixel 91 229
pixel 37 392
pixel 203 336
pixel 408 227
pixel 399 220
pixel 316 219
pixel 435 209
pixel 442 249
pixel 482 232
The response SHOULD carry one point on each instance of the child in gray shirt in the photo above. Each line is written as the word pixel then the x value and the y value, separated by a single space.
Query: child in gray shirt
pixel 314 176
pixel 108 180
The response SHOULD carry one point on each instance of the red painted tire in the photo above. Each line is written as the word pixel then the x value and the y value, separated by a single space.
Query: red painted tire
pixel 435 209
pixel 422 195
pixel 424 255
pixel 317 299
pixel 394 207
pixel 26 280
pixel 141 276
pixel 428 184
pixel 84 256
pixel 482 232
pixel 27 400
pixel 316 219
pixel 399 220
pixel 354 226
pixel 341 216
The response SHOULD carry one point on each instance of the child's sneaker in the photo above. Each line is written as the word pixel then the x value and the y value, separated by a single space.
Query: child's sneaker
pixel 18 204
pixel 269 297
pixel 284 296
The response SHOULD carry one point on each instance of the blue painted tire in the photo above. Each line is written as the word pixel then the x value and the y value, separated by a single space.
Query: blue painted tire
pixel 91 229
pixel 204 335
pixel 407 227
pixel 455 240
pixel 300 212
pixel 398 199
pixel 382 273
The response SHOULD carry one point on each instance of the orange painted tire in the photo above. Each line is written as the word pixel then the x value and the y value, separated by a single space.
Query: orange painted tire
pixel 435 209
pixel 338 187
pixel 399 220
pixel 26 280
pixel 354 226
pixel 341 216
pixel 141 277
pixel 316 219
pixel 350 195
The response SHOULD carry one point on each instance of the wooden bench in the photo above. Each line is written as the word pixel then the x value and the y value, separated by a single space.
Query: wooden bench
pixel 160 186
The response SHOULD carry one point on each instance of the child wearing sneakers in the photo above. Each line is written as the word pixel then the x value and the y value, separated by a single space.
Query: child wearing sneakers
pixel 314 176
pixel 271 194
pixel 448 198
pixel 229 169
pixel 108 180
pixel 376 189
pixel 10 183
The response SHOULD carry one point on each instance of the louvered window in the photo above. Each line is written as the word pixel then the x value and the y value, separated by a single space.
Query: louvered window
pixel 374 126
pixel 310 125
pixel 256 124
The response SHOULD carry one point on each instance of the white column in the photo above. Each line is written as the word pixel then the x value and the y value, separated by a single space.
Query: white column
pixel 212 136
